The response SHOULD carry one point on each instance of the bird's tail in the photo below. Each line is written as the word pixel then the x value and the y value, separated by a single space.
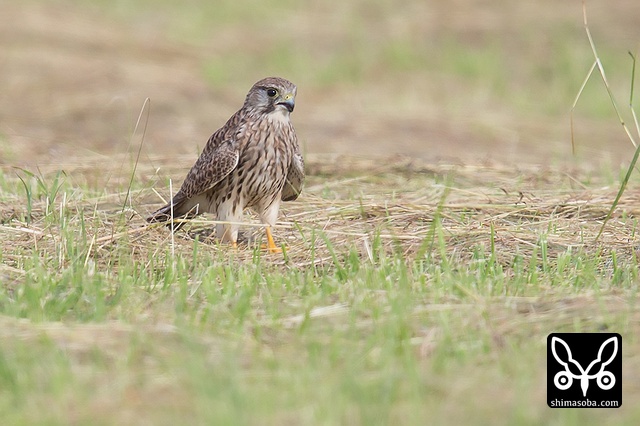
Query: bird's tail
pixel 163 214
pixel 176 209
pixel 166 215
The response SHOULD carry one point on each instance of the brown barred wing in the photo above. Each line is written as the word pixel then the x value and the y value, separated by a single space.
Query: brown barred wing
pixel 295 178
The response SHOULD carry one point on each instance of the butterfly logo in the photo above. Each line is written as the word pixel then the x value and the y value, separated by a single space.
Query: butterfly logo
pixel 564 379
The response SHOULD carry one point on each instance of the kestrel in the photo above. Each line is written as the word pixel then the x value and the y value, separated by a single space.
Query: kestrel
pixel 253 161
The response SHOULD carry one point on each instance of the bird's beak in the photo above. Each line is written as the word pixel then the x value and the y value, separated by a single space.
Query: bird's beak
pixel 288 101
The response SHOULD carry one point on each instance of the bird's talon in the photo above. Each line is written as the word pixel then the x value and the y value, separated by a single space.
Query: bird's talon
pixel 272 250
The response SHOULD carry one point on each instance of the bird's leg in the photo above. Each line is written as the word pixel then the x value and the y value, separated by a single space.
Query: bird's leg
pixel 228 232
pixel 268 216
pixel 271 245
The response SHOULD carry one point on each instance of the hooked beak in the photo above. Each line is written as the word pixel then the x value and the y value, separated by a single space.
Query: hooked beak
pixel 288 101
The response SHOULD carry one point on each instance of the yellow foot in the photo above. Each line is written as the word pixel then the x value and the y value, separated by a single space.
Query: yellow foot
pixel 271 250
pixel 271 245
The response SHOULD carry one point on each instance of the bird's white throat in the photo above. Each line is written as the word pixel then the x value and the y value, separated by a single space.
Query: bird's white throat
pixel 279 116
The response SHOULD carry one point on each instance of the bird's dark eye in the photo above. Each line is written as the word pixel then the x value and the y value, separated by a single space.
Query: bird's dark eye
pixel 272 93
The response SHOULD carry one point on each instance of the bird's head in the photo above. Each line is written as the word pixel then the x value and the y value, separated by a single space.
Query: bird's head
pixel 271 95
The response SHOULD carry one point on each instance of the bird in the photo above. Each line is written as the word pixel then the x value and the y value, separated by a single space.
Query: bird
pixel 252 162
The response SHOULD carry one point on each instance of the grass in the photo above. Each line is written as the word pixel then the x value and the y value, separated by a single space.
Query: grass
pixel 402 296
pixel 409 292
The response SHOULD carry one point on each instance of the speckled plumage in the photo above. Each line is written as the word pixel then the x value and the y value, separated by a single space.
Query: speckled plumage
pixel 253 161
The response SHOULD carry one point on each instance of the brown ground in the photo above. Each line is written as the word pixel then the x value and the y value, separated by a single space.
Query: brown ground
pixel 73 81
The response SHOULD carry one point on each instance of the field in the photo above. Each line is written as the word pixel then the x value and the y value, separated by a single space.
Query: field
pixel 445 228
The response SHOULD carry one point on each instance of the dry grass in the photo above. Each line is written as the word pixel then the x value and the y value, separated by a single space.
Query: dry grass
pixel 503 211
